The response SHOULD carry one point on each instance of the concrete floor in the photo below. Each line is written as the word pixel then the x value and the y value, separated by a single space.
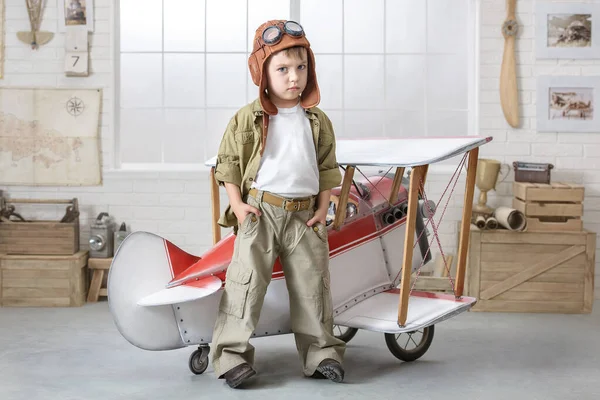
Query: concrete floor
pixel 77 353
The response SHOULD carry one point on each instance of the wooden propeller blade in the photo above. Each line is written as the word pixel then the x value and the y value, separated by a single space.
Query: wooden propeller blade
pixel 511 6
pixel 509 97
pixel 508 83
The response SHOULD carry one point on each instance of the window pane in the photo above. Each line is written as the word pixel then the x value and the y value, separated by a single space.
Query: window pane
pixel 447 123
pixel 405 123
pixel 182 138
pixel 226 25
pixel 226 80
pixel 261 11
pixel 140 135
pixel 363 82
pixel 184 25
pixel 141 80
pixel 330 80
pixel 363 124
pixel 322 21
pixel 447 23
pixel 135 14
pixel 363 26
pixel 447 82
pixel 405 82
pixel 184 80
pixel 405 26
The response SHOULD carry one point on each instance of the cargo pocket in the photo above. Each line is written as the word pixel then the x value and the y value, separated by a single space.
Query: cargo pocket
pixel 236 292
pixel 244 137
pixel 250 224
pixel 326 303
pixel 321 231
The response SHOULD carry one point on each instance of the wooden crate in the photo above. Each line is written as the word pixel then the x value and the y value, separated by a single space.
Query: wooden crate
pixel 43 281
pixel 550 207
pixel 36 237
pixel 532 271
pixel 39 238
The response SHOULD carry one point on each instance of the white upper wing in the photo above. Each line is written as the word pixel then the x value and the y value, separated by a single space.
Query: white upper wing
pixel 403 152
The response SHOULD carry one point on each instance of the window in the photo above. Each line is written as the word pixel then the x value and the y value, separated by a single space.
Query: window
pixel 385 68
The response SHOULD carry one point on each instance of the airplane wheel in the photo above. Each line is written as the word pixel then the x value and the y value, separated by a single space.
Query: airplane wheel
pixel 344 333
pixel 409 346
pixel 198 361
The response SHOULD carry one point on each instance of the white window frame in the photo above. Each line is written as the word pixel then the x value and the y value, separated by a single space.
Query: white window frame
pixel 473 85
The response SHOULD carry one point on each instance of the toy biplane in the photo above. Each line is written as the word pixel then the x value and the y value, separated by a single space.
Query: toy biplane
pixel 163 298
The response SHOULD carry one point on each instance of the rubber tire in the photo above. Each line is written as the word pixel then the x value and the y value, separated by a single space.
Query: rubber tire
pixel 348 335
pixel 195 364
pixel 400 353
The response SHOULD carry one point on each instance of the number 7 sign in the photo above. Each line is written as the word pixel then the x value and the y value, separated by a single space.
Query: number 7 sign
pixel 76 64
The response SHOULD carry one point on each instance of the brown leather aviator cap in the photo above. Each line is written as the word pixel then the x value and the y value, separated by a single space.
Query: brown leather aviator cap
pixel 274 36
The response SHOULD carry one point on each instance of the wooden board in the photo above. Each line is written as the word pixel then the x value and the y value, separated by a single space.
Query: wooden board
pixel 542 209
pixel 43 281
pixel 532 271
pixel 39 238
pixel 554 192
pixel 536 224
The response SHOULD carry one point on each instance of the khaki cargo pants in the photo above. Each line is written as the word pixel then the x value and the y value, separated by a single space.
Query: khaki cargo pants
pixel 304 255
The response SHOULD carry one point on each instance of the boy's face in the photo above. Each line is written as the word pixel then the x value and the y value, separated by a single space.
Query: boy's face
pixel 286 78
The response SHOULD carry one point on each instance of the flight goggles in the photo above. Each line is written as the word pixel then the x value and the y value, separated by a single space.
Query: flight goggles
pixel 273 34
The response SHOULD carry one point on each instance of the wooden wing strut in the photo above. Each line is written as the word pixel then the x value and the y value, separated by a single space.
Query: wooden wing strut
pixel 216 206
pixel 396 185
pixel 417 175
pixel 465 225
pixel 340 213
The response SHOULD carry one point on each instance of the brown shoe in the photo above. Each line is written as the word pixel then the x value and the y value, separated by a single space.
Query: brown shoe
pixel 235 376
pixel 330 369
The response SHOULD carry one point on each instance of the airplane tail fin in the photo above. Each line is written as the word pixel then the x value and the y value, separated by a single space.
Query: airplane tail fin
pixel 141 267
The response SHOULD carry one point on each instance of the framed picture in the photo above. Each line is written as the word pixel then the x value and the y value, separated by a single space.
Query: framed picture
pixel 567 30
pixel 568 104
pixel 75 13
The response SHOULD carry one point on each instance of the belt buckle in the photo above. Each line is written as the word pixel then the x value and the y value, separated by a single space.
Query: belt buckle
pixel 295 203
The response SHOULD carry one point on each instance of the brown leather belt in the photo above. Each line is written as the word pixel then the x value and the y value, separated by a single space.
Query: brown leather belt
pixel 285 203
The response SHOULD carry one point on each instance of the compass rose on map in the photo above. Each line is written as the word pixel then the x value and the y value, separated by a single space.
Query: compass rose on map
pixel 75 106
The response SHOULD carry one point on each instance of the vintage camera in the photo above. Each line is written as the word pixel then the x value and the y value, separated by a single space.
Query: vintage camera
pixel 102 237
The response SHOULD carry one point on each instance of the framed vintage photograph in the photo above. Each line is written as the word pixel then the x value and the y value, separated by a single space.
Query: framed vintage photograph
pixel 568 104
pixel 567 30
pixel 75 13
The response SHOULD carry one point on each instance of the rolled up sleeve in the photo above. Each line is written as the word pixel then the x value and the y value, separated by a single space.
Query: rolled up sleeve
pixel 227 168
pixel 329 172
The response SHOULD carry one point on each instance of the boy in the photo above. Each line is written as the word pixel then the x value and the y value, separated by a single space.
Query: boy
pixel 277 163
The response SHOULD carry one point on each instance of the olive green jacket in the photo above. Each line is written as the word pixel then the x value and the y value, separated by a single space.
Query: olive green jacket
pixel 239 153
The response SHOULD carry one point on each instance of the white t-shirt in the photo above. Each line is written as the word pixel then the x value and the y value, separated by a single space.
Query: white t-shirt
pixel 288 167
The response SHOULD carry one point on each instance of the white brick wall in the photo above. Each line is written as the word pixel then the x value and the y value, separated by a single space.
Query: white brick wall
pixel 176 205
pixel 576 157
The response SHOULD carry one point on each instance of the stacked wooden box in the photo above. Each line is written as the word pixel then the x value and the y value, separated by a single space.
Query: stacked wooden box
pixel 554 207
pixel 547 268
pixel 531 271
pixel 43 281
pixel 40 261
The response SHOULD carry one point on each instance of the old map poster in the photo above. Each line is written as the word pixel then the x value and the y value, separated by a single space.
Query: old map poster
pixel 49 136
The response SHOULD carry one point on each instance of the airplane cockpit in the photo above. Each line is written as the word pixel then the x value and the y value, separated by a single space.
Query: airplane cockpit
pixel 351 208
